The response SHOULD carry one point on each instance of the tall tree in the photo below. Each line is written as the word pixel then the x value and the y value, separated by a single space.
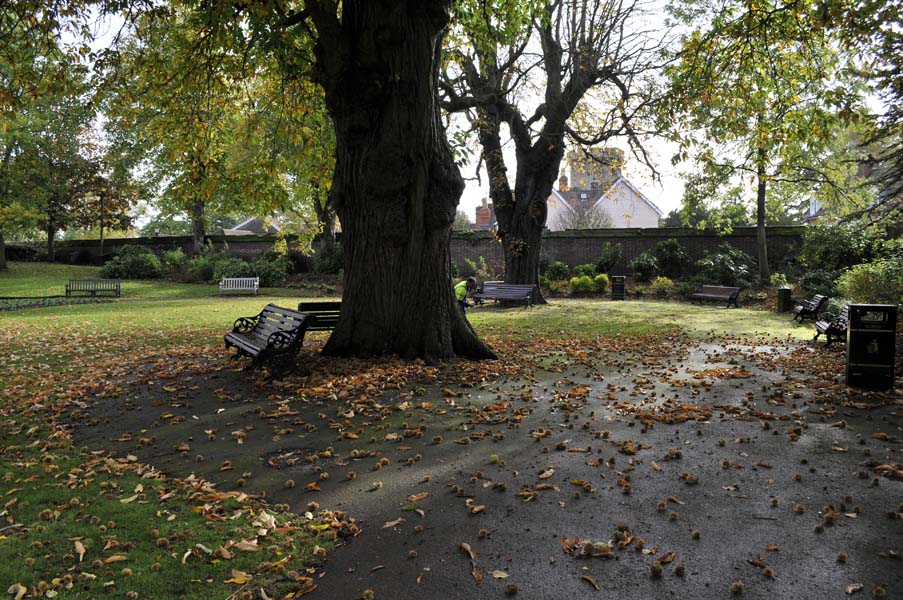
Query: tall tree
pixel 756 93
pixel 594 61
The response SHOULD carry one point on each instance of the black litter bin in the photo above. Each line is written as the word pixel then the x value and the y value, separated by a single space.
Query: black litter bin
pixel 871 346
pixel 784 301
pixel 618 287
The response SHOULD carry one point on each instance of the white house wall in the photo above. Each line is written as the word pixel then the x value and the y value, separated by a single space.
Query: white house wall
pixel 627 208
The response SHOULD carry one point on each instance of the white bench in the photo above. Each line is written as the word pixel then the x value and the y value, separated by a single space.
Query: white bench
pixel 239 284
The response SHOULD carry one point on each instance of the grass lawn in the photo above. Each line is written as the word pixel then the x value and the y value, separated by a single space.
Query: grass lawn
pixel 49 279
pixel 89 526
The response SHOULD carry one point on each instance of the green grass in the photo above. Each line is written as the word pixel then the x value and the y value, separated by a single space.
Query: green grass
pixel 592 317
pixel 49 279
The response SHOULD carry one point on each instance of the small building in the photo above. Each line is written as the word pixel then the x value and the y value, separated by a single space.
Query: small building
pixel 485 216
pixel 601 197
pixel 252 226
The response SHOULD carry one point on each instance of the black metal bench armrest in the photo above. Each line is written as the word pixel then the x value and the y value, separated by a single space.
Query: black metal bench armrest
pixel 245 324
pixel 280 340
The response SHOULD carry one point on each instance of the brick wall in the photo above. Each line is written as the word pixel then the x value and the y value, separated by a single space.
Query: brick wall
pixel 571 247
pixel 580 247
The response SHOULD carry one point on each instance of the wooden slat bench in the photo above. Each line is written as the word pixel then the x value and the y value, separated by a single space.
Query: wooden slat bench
pixel 327 314
pixel 93 287
pixel 809 309
pixel 718 293
pixel 834 328
pixel 507 292
pixel 239 284
pixel 275 332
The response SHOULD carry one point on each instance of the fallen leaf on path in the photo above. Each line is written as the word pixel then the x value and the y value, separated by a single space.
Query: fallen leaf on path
pixel 475 570
pixel 389 524
pixel 499 574
pixel 592 581
pixel 853 588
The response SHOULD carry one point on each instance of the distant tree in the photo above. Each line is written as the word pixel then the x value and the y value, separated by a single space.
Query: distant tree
pixel 756 92
pixel 588 63
pixel 462 221
pixel 584 215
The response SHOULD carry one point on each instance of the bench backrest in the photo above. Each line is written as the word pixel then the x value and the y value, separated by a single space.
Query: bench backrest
pixel 718 289
pixel 326 312
pixel 518 290
pixel 93 284
pixel 844 317
pixel 277 318
pixel 240 283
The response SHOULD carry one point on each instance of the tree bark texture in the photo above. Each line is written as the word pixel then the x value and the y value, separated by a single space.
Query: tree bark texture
pixel 761 240
pixel 396 186
pixel 324 242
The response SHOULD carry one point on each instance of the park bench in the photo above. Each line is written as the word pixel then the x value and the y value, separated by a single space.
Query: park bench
pixel 239 284
pixel 275 332
pixel 93 287
pixel 809 309
pixel 326 313
pixel 835 328
pixel 506 292
pixel 717 292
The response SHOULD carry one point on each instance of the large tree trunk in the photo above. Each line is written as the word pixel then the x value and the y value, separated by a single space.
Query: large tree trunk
pixel 324 242
pixel 395 187
pixel 198 226
pixel 761 240
pixel 51 235
pixel 522 221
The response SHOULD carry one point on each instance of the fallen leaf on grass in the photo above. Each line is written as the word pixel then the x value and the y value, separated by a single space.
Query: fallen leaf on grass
pixel 18 589
pixel 248 545
pixel 592 581
pixel 80 550
pixel 238 577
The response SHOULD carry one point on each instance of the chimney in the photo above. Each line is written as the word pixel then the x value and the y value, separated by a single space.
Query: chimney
pixel 563 183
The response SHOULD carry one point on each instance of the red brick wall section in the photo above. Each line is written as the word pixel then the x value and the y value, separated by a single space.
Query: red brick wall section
pixel 571 247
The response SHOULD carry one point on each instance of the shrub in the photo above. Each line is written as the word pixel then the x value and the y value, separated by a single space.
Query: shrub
pixel 819 282
pixel 611 254
pixel 644 266
pixel 838 247
pixel 641 291
pixel 132 262
pixel 879 282
pixel 231 267
pixel 271 268
pixel 581 285
pixel 174 262
pixel 672 259
pixel 727 266
pixel 600 281
pixel 686 287
pixel 330 262
pixel 779 280
pixel 201 268
pixel 588 269
pixel 551 285
pixel 557 271
pixel 480 269
pixel 661 286
pixel 298 261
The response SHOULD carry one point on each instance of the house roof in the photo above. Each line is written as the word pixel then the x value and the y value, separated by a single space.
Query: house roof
pixel 257 226
pixel 572 197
